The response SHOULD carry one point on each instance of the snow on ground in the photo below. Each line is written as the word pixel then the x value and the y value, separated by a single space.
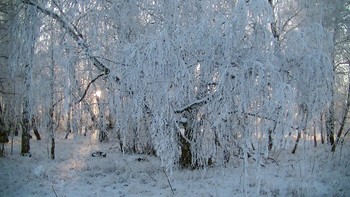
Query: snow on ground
pixel 74 172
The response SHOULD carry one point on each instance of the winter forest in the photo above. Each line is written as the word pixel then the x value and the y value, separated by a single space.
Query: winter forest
pixel 174 98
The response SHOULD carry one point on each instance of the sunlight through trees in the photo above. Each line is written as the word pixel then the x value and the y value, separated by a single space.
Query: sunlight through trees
pixel 196 83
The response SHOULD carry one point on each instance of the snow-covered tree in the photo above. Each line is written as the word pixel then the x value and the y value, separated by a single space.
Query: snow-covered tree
pixel 196 82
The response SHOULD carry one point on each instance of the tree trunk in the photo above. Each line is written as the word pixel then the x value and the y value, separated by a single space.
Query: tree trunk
pixel 270 132
pixel 303 109
pixel 25 144
pixel 270 140
pixel 186 155
pixel 296 142
pixel 315 140
pixel 68 123
pixel 273 24
pixel 102 135
pixel 3 139
pixel 2 147
pixel 51 110
pixel 330 124
pixel 35 129
pixel 322 130
pixel 52 148
pixel 52 133
pixel 343 122
pixel 37 134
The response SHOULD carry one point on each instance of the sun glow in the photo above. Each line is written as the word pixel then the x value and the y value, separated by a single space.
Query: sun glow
pixel 98 93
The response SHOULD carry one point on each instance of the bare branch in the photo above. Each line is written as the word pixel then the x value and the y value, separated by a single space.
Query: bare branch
pixel 88 86
pixel 291 18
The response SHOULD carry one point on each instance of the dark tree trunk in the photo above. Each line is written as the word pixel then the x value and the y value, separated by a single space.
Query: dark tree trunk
pixel 35 129
pixel 52 148
pixel 296 142
pixel 25 147
pixel 25 144
pixel 51 110
pixel 322 130
pixel 315 140
pixel 271 131
pixel 102 136
pixel 2 150
pixel 303 109
pixel 37 134
pixel 3 139
pixel 52 134
pixel 68 124
pixel 186 155
pixel 330 122
pixel 270 140
pixel 343 122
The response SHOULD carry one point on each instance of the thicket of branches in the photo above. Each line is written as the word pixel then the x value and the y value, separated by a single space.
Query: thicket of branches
pixel 194 82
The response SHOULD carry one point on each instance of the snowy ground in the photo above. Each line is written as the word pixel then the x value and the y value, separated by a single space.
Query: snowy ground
pixel 311 172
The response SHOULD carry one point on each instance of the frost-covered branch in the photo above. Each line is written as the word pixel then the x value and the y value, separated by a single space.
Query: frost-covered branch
pixel 192 105
pixel 73 32
pixel 204 100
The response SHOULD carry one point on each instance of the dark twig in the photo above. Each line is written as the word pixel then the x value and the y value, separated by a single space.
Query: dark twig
pixel 54 191
pixel 151 177
pixel 172 190
pixel 88 86
pixel 273 160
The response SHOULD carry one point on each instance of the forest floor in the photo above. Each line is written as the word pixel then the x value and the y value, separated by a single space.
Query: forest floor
pixel 74 172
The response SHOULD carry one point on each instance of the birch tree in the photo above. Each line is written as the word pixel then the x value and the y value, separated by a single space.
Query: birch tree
pixel 195 82
pixel 338 23
pixel 24 32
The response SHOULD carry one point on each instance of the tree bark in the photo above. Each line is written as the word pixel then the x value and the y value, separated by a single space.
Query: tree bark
pixel 25 143
pixel 68 123
pixel 102 136
pixel 343 121
pixel 330 123
pixel 52 152
pixel 322 129
pixel 304 113
pixel 296 142
pixel 35 129
pixel 185 160
pixel 51 110
pixel 315 140
pixel 273 24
